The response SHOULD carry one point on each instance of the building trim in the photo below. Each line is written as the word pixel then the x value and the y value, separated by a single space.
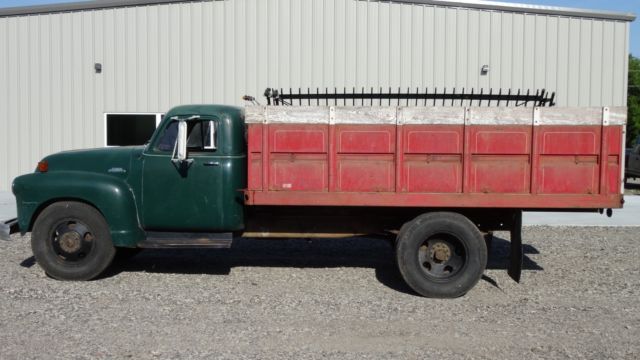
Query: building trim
pixel 474 4
pixel 528 8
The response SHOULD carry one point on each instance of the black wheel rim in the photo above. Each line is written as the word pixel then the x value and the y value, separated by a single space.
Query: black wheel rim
pixel 442 256
pixel 72 241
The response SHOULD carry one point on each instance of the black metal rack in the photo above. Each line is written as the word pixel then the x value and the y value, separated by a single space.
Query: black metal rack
pixel 418 98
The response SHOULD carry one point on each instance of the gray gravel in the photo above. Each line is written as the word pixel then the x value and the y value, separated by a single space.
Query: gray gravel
pixel 329 299
pixel 632 187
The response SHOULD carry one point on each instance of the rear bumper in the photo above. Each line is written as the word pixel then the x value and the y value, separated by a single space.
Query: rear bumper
pixel 7 228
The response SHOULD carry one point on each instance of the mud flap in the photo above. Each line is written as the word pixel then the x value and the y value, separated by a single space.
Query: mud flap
pixel 516 252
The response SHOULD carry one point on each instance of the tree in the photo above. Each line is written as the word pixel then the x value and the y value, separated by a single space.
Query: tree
pixel 633 102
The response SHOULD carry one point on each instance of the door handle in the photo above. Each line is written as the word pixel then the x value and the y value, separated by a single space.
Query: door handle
pixel 211 163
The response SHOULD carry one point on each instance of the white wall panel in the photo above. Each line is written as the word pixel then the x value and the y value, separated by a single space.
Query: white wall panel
pixel 158 56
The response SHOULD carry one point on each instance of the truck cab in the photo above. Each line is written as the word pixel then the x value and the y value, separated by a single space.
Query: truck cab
pixel 129 195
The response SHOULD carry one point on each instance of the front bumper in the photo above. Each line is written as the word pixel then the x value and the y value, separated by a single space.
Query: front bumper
pixel 7 228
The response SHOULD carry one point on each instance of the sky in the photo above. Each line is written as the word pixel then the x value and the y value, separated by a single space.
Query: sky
pixel 617 5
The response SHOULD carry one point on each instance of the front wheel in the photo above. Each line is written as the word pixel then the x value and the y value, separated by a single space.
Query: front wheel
pixel 71 241
pixel 441 255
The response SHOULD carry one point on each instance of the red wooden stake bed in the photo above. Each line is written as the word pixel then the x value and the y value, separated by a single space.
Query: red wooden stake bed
pixel 436 157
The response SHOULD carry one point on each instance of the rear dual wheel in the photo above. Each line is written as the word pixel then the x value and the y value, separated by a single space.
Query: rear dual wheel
pixel 71 241
pixel 441 255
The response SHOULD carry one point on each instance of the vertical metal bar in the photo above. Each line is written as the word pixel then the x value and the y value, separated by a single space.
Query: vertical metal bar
pixel 408 89
pixel 535 153
pixel 344 101
pixel 466 151
pixel 604 151
pixel 266 162
pixel 398 100
pixel 499 96
pixel 480 100
pixel 538 100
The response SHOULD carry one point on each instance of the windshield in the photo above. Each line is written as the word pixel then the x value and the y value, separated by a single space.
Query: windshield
pixel 168 139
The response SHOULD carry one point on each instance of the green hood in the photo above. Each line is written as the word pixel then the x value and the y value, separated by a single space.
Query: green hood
pixel 111 161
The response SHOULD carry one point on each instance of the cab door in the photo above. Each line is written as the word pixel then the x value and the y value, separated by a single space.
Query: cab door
pixel 183 198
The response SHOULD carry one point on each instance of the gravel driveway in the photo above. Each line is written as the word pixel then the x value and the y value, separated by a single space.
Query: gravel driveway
pixel 329 298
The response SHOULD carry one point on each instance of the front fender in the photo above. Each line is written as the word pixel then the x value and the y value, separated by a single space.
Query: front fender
pixel 110 195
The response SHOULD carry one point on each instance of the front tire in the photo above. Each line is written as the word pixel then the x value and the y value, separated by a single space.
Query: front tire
pixel 71 241
pixel 441 255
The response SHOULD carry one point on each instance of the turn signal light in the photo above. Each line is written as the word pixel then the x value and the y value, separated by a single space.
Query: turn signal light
pixel 43 166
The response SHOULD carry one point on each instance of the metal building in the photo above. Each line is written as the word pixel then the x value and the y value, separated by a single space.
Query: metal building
pixel 100 73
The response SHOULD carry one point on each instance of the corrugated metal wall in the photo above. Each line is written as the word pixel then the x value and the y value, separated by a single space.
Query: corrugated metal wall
pixel 155 57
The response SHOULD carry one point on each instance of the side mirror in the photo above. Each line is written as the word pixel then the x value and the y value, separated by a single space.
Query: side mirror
pixel 180 150
pixel 181 141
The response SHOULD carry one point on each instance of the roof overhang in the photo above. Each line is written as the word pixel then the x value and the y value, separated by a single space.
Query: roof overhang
pixel 474 4
pixel 528 8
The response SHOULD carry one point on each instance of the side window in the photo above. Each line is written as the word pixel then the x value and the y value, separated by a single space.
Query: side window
pixel 202 136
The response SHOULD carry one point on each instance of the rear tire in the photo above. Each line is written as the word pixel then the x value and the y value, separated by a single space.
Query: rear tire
pixel 71 241
pixel 441 255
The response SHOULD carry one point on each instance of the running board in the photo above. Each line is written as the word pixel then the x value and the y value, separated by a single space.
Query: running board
pixel 173 240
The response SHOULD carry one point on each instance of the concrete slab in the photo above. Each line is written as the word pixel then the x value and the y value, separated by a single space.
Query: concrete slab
pixel 7 205
pixel 629 216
